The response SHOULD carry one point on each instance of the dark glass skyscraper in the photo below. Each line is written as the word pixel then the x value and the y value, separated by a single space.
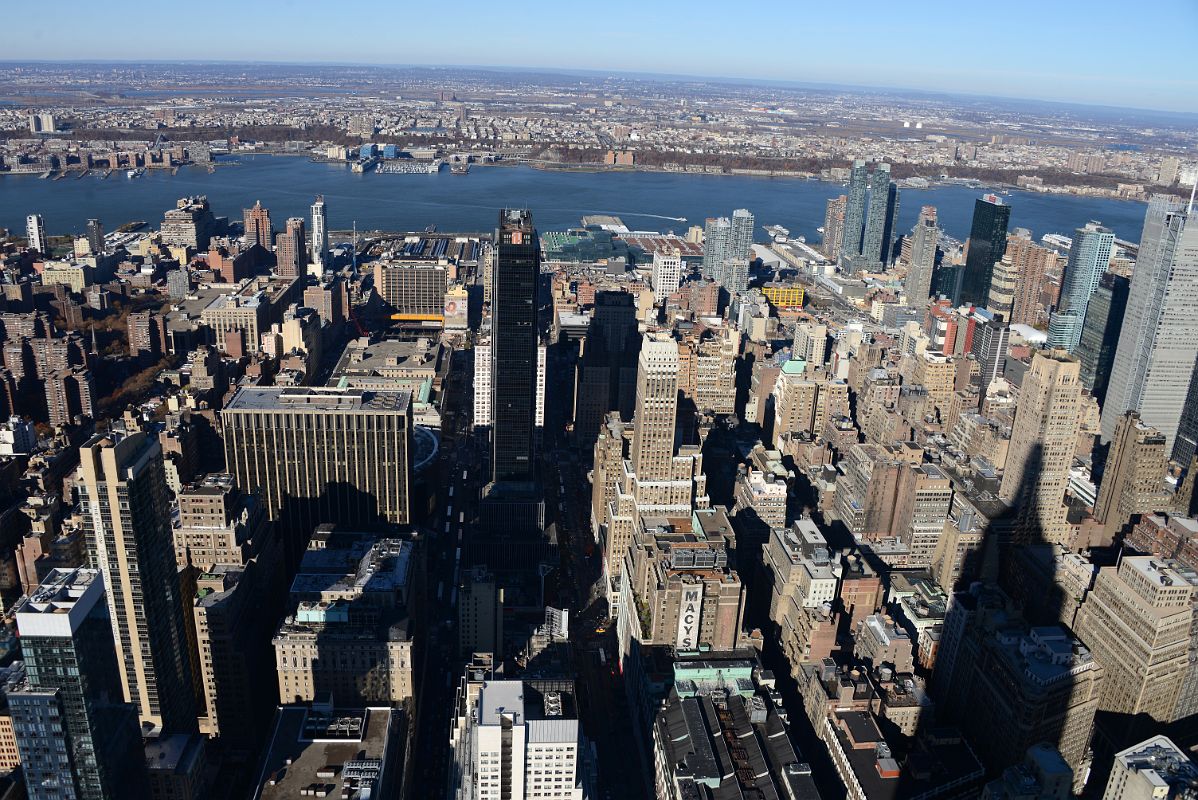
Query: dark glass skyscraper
pixel 75 735
pixel 987 243
pixel 1100 333
pixel 514 347
pixel 879 224
pixel 854 214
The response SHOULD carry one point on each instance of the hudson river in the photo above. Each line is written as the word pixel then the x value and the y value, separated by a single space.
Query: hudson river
pixel 644 200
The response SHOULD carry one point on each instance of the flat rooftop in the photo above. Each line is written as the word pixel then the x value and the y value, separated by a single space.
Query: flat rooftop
pixel 336 749
pixel 318 399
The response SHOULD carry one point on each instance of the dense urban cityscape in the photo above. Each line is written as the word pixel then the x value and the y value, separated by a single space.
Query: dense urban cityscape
pixel 293 506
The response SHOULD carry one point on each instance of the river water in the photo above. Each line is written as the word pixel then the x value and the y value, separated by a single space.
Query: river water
pixel 644 200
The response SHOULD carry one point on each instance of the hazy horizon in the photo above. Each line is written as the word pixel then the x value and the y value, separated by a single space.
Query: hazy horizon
pixel 1014 52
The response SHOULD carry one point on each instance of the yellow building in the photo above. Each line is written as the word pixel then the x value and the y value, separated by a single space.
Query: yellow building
pixel 784 296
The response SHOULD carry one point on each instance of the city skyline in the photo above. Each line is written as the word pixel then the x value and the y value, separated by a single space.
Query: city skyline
pixel 1064 70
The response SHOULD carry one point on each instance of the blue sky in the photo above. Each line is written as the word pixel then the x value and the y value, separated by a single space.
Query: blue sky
pixel 1108 52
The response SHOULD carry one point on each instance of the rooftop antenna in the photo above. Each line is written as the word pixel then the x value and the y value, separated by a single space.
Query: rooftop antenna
pixel 1193 188
pixel 355 248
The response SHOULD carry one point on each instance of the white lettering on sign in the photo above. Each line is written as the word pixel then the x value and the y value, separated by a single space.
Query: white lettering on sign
pixel 689 613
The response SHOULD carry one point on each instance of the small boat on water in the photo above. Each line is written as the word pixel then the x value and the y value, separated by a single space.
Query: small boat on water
pixel 135 173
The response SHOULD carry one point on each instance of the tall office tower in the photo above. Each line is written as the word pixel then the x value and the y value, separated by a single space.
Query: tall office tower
pixel 923 257
pixel 290 249
pixel 1089 257
pixel 1157 346
pixel 1154 768
pixel 883 205
pixel 1033 263
pixel 991 336
pixel 258 229
pixel 125 505
pixel 320 235
pixel 667 273
pixel 75 736
pixel 1100 333
pixel 834 219
pixel 519 740
pixel 717 246
pixel 1043 439
pixel 95 236
pixel 854 212
pixel 321 454
pixel 1185 445
pixel 35 234
pixel 606 371
pixel 1137 621
pixel 514 347
pixel 987 242
pixel 656 408
pixel 1004 285
pixel 1134 479
pixel 740 240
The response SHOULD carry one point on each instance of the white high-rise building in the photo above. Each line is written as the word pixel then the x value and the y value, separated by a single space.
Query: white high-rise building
pixel 35 233
pixel 923 258
pixel 717 236
pixel 667 273
pixel 320 237
pixel 741 241
pixel 482 382
pixel 518 740
pixel 539 410
pixel 1089 257
pixel 1157 344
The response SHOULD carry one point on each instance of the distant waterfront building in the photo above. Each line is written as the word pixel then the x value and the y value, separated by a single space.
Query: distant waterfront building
pixel 879 223
pixel 834 222
pixel 1157 346
pixel 290 248
pixel 290 444
pixel 189 224
pixel 415 292
pixel 717 241
pixel 95 236
pixel 125 505
pixel 320 235
pixel 667 273
pixel 1100 333
pixel 854 214
pixel 42 122
pixel 75 736
pixel 258 229
pixel 923 258
pixel 987 241
pixel 1089 258
pixel 35 234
